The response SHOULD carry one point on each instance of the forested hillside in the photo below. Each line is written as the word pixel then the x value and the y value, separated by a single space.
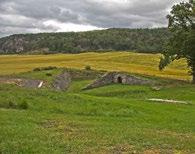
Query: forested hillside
pixel 138 40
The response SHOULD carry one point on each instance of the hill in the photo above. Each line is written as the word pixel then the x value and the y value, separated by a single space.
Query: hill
pixel 139 40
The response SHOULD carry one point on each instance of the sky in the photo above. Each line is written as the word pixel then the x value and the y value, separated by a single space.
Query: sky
pixel 34 16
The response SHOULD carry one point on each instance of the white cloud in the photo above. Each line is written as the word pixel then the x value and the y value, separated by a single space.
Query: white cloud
pixel 69 27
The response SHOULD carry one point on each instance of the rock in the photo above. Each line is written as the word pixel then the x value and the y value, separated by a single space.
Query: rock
pixel 168 101
pixel 62 81
pixel 156 88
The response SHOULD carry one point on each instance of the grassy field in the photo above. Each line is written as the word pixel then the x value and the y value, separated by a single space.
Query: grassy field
pixel 137 63
pixel 111 119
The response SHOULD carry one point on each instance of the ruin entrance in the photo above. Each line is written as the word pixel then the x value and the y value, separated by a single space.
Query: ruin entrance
pixel 119 80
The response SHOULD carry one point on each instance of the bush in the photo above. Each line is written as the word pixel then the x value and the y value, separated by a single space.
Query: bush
pixel 45 68
pixel 88 67
pixel 48 74
pixel 23 105
pixel 37 69
pixel 12 105
pixel 49 68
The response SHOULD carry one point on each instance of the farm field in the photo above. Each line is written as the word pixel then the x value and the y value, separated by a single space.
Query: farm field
pixel 111 119
pixel 145 64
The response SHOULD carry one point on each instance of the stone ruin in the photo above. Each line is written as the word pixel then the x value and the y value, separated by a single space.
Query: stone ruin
pixel 117 77
pixel 62 81
pixel 27 83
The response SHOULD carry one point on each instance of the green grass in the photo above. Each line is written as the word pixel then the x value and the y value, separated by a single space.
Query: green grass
pixel 110 119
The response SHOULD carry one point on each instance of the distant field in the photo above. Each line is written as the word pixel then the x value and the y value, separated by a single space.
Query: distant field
pixel 146 64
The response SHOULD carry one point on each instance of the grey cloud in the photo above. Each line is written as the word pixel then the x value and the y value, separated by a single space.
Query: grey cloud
pixel 22 16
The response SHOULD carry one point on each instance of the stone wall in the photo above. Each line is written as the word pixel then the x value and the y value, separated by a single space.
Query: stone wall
pixel 62 81
pixel 117 77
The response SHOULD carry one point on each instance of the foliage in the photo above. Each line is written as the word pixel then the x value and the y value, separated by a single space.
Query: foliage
pixel 182 42
pixel 87 67
pixel 13 105
pixel 139 40
pixel 44 68
pixel 24 105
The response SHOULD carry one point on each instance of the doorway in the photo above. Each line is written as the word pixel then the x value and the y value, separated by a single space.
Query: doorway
pixel 119 80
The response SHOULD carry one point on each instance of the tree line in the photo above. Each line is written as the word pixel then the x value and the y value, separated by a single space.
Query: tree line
pixel 138 40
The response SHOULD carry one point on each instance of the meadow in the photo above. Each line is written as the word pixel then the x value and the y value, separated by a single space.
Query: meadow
pixel 137 63
pixel 111 119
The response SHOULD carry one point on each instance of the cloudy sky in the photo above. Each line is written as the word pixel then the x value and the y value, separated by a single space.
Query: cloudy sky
pixel 32 16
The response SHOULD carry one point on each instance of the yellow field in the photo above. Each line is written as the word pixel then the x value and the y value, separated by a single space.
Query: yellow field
pixel 146 64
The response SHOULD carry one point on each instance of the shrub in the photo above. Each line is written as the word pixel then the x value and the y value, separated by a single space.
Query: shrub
pixel 48 74
pixel 49 68
pixel 12 105
pixel 23 105
pixel 37 69
pixel 88 67
pixel 45 68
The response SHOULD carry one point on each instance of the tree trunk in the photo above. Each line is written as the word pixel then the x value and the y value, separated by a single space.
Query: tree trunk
pixel 193 78
pixel 193 74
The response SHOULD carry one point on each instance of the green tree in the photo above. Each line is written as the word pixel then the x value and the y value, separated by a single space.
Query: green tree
pixel 182 43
